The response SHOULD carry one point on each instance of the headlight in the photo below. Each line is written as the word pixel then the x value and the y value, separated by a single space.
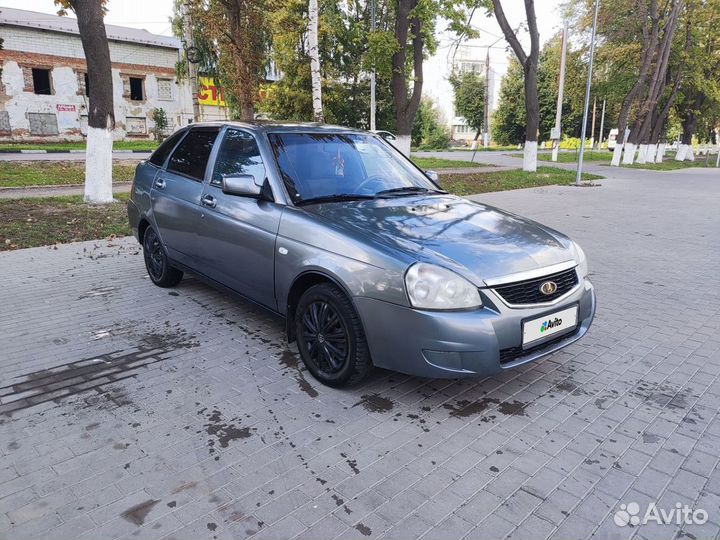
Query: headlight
pixel 581 260
pixel 434 287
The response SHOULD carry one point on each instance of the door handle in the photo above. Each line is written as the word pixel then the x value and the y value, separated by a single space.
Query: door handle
pixel 160 183
pixel 208 200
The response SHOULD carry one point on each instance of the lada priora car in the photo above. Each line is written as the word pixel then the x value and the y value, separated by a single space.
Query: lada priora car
pixel 368 259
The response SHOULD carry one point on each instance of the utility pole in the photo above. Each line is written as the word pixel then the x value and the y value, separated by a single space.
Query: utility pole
pixel 372 73
pixel 602 124
pixel 486 135
pixel 592 129
pixel 191 58
pixel 561 88
pixel 578 176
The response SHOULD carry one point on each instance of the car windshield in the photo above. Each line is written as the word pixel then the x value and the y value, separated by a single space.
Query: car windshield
pixel 319 167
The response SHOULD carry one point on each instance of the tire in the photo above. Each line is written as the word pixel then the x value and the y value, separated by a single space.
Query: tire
pixel 330 337
pixel 157 263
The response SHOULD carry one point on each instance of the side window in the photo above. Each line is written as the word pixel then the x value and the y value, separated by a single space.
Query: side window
pixel 191 156
pixel 160 155
pixel 238 154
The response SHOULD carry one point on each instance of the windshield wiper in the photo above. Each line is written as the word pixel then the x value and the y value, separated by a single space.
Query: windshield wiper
pixel 406 190
pixel 339 197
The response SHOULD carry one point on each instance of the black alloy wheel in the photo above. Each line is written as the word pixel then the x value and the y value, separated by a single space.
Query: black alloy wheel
pixel 330 336
pixel 157 263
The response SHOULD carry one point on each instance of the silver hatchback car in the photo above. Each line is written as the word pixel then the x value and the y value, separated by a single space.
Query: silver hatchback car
pixel 368 259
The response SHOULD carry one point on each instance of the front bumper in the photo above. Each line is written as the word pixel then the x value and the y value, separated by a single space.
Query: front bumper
pixel 451 344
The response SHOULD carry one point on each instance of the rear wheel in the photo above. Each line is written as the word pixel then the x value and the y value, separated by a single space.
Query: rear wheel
pixel 330 336
pixel 157 263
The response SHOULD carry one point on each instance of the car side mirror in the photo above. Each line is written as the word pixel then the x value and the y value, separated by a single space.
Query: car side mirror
pixel 432 175
pixel 243 185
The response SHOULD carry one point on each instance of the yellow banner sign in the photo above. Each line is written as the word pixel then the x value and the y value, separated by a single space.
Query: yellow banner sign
pixel 209 93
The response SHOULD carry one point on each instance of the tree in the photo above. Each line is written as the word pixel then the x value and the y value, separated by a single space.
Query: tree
pixel 314 52
pixel 509 118
pixel 408 34
pixel 101 114
pixel 508 124
pixel 159 117
pixel 529 63
pixel 427 131
pixel 344 39
pixel 469 88
pixel 241 32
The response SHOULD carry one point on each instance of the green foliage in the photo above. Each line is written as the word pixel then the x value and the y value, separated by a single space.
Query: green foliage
pixel 469 91
pixel 347 52
pixel 508 123
pixel 207 54
pixel 427 132
pixel 509 119
pixel 159 117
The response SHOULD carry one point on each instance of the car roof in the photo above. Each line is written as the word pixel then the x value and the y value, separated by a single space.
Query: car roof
pixel 271 126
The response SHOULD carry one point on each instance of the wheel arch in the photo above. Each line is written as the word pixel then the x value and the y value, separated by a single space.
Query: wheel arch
pixel 142 227
pixel 302 283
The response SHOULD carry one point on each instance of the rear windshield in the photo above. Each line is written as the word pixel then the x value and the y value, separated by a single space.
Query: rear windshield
pixel 319 165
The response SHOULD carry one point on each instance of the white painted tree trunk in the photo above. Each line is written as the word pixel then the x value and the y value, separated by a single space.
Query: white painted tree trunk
pixel 660 154
pixel 617 154
pixel 642 152
pixel 629 156
pixel 681 152
pixel 555 150
pixel 530 156
pixel 314 53
pixel 650 153
pixel 98 166
pixel 402 143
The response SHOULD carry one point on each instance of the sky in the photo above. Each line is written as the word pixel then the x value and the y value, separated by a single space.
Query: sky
pixel 153 15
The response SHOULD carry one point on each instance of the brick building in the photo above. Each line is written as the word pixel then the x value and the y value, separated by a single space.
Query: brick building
pixel 44 87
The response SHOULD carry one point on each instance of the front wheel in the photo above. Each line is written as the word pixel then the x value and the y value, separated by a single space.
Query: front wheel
pixel 330 336
pixel 157 262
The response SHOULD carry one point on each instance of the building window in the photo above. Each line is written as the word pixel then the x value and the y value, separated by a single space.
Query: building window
pixel 41 81
pixel 83 84
pixel 136 89
pixel 164 89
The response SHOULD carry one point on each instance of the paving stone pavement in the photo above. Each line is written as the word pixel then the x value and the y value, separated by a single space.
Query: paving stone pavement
pixel 130 411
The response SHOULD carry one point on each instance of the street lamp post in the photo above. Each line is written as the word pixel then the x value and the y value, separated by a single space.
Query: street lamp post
pixel 587 96
pixel 486 136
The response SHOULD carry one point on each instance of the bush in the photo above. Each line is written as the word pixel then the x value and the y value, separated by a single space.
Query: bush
pixel 573 143
pixel 159 117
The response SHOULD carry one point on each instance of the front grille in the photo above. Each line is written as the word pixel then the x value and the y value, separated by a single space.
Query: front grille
pixel 511 354
pixel 528 292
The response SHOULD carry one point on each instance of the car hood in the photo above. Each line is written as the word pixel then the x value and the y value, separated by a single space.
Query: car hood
pixel 476 240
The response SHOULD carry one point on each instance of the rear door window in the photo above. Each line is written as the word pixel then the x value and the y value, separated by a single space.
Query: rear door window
pixel 191 156
pixel 161 154
pixel 238 154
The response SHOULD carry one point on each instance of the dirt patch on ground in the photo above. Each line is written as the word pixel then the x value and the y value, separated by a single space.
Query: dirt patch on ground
pixel 37 222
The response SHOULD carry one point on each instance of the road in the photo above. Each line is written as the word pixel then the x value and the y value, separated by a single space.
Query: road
pixel 185 415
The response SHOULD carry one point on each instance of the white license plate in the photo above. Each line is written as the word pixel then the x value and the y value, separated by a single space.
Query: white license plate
pixel 547 325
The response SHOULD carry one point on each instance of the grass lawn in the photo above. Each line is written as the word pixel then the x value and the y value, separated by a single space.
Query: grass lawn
pixel 669 164
pixel 36 222
pixel 572 157
pixel 433 164
pixel 148 146
pixel 469 184
pixel 28 223
pixel 51 173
